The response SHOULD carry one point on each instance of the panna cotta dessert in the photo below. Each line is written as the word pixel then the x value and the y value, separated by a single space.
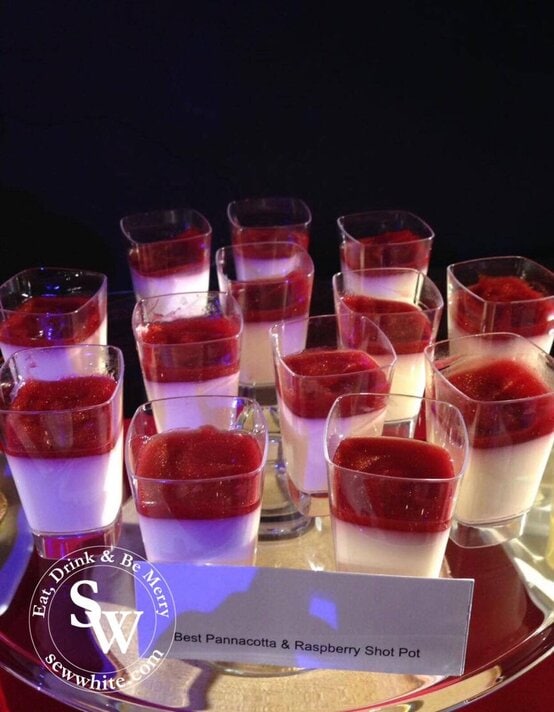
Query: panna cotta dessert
pixel 168 252
pixel 52 307
pixel 509 294
pixel 265 301
pixel 507 401
pixel 198 494
pixel 307 385
pixel 182 265
pixel 391 505
pixel 63 441
pixel 377 239
pixel 192 355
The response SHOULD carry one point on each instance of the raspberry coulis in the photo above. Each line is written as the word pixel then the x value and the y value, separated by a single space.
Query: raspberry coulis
pixel 76 430
pixel 395 248
pixel 398 497
pixel 407 327
pixel 518 307
pixel 37 321
pixel 274 299
pixel 192 349
pixel 504 409
pixel 247 235
pixel 185 252
pixel 213 474
pixel 325 375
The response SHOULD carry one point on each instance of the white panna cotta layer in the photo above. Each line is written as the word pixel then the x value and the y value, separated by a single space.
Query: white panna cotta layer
pixel 223 386
pixel 382 551
pixel 502 482
pixel 73 494
pixel 303 445
pixel 229 540
pixel 402 285
pixel 250 268
pixel 175 283
pixel 256 356
pixel 170 415
pixel 256 353
pixel 302 440
pixel 408 378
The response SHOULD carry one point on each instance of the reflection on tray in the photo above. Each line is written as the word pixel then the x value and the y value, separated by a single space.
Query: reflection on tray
pixel 16 540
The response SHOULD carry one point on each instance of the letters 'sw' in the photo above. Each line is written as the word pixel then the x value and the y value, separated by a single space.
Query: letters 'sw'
pixel 117 621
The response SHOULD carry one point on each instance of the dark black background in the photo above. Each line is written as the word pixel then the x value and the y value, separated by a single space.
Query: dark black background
pixel 110 108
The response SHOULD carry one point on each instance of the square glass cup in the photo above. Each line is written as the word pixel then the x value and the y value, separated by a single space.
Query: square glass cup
pixel 168 251
pixel 271 282
pixel 384 238
pixel 503 384
pixel 393 483
pixel 494 294
pixel 188 344
pixel 407 306
pixel 52 306
pixel 61 426
pixel 197 484
pixel 317 359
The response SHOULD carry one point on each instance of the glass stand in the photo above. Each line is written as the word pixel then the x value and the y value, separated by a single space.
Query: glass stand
pixel 280 518
pixel 475 536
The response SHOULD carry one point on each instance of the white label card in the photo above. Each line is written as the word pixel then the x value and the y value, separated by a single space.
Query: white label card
pixel 316 619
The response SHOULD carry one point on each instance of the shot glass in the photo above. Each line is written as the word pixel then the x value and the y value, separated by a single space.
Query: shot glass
pixel 188 345
pixel 198 487
pixel 61 425
pixel 168 251
pixel 316 360
pixel 52 306
pixel 279 288
pixel 393 487
pixel 409 321
pixel 503 385
pixel 385 238
pixel 494 294
pixel 270 219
